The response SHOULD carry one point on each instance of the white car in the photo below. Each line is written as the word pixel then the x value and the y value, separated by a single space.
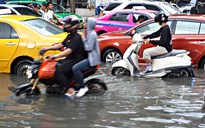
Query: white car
pixel 150 5
pixel 17 10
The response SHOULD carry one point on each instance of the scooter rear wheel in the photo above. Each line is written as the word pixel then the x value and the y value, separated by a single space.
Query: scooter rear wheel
pixel 96 85
pixel 120 71
pixel 186 73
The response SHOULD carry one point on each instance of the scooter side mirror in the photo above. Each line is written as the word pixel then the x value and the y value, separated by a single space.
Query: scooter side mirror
pixel 132 32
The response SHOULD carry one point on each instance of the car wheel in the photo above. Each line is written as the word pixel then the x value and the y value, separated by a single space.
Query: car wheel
pixel 21 67
pixel 202 64
pixel 111 56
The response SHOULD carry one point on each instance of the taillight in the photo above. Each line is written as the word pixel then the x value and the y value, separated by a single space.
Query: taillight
pixel 98 66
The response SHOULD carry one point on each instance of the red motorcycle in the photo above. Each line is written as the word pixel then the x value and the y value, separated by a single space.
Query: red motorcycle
pixel 42 71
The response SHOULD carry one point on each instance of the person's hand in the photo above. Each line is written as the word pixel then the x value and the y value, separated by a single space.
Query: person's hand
pixel 146 41
pixel 51 57
pixel 43 51
pixel 31 5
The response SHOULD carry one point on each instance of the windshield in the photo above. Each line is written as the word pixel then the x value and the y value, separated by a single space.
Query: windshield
pixel 27 11
pixel 170 8
pixel 58 8
pixel 43 27
pixel 111 6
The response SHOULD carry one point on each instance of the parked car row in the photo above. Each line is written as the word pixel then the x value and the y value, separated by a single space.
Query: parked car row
pixel 188 32
pixel 121 20
pixel 59 10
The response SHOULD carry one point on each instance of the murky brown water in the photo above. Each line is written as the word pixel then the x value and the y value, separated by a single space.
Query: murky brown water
pixel 128 103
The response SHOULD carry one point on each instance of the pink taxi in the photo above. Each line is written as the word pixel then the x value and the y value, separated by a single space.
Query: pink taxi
pixel 121 20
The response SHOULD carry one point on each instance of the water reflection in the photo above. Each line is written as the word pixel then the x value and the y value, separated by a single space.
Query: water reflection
pixel 129 102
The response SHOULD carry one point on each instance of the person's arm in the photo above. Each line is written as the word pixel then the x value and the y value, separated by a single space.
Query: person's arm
pixel 56 17
pixel 55 47
pixel 89 45
pixel 64 53
pixel 35 9
pixel 153 35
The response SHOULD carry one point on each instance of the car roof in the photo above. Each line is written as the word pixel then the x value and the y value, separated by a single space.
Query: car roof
pixel 28 1
pixel 12 5
pixel 189 16
pixel 132 10
pixel 138 1
pixel 16 17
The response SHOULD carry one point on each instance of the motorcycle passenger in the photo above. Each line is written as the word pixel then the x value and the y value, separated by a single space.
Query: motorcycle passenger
pixel 92 47
pixel 164 45
pixel 73 54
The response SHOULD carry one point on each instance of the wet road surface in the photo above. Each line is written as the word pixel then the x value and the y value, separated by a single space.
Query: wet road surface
pixel 129 102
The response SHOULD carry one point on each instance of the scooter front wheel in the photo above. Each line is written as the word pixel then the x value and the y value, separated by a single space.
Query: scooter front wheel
pixel 120 71
pixel 96 85
pixel 27 91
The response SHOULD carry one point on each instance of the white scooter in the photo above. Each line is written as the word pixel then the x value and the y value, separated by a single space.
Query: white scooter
pixel 176 63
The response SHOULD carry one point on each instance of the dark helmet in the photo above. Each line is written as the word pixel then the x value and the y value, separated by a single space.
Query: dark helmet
pixel 161 17
pixel 72 21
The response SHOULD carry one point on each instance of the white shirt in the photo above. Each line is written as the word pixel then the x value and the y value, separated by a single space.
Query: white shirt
pixel 47 15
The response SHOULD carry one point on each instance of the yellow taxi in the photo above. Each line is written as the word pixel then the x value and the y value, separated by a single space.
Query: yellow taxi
pixel 21 38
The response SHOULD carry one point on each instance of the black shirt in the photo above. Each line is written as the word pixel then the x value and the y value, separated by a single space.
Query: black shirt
pixel 165 38
pixel 75 42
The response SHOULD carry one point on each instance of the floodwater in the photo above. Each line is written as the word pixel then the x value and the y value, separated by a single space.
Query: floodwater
pixel 129 102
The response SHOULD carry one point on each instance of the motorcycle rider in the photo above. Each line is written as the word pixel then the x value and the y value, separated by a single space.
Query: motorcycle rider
pixel 164 45
pixel 73 53
pixel 92 47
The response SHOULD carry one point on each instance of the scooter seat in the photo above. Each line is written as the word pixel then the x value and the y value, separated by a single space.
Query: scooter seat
pixel 174 52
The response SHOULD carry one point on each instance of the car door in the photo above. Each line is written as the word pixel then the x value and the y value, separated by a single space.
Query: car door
pixel 119 21
pixel 8 44
pixel 190 35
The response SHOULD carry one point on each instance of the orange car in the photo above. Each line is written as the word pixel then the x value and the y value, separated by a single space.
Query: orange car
pixel 188 32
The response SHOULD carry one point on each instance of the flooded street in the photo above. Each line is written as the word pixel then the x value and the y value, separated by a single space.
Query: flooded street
pixel 129 102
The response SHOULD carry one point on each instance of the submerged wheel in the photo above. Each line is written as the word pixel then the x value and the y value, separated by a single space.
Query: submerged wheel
pixel 27 91
pixel 120 71
pixel 186 73
pixel 96 85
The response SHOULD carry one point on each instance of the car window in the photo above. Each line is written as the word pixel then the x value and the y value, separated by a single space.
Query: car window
pixel 27 11
pixel 202 28
pixel 111 6
pixel 149 28
pixel 152 7
pixel 124 17
pixel 130 6
pixel 170 8
pixel 58 8
pixel 7 32
pixel 135 17
pixel 187 27
pixel 43 27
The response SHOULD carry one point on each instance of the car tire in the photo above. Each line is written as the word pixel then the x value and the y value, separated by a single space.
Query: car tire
pixel 111 56
pixel 21 67
pixel 202 64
